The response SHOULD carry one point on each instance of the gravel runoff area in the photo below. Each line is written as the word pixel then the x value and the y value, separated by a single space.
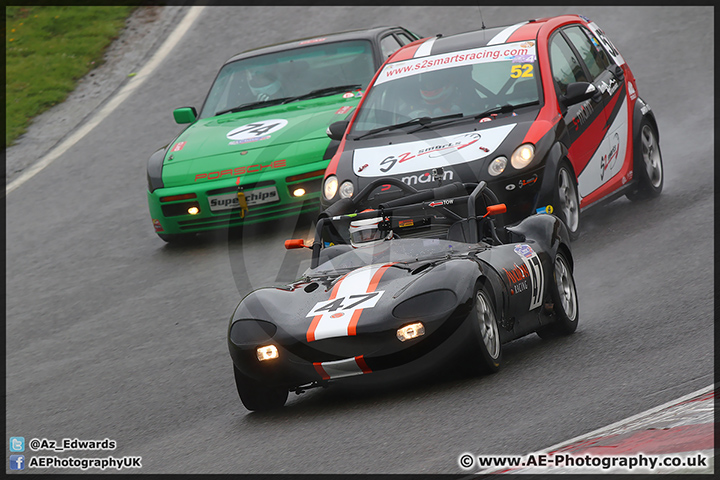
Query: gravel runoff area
pixel 144 32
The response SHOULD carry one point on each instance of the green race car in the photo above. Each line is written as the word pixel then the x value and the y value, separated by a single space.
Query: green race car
pixel 258 149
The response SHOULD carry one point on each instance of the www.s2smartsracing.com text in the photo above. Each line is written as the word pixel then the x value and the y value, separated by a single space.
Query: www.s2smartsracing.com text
pixel 586 461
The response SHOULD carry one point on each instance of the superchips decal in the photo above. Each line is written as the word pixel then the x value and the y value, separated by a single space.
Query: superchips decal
pixel 351 294
pixel 256 130
pixel 346 367
pixel 532 268
pixel 426 154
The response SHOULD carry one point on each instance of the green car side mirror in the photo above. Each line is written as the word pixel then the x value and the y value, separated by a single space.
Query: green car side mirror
pixel 185 115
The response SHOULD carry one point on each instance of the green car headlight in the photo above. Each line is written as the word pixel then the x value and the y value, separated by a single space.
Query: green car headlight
pixel 330 187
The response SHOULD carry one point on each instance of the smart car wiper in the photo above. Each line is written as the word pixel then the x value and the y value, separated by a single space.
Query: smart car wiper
pixel 323 92
pixel 421 120
pixel 501 109
pixel 253 105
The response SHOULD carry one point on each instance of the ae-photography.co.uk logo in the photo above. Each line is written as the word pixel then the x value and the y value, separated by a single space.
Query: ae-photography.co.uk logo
pixel 17 444
pixel 17 462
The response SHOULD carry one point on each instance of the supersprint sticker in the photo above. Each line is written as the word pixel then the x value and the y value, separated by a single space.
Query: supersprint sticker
pixel 351 294
pixel 178 146
pixel 426 154
pixel 608 159
pixel 254 130
pixel 248 140
pixel 532 269
pixel 493 53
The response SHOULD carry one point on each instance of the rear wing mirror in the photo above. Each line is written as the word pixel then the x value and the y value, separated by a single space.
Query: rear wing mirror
pixel 495 209
pixel 295 243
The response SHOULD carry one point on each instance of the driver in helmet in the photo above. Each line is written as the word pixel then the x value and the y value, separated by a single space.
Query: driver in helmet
pixel 369 232
pixel 264 82
pixel 439 95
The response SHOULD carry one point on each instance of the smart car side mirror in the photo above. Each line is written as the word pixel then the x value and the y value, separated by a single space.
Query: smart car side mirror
pixel 185 115
pixel 336 130
pixel 578 92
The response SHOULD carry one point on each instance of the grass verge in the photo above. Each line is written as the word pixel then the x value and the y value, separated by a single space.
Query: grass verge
pixel 47 50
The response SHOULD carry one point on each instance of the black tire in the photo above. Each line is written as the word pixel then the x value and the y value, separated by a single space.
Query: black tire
pixel 567 204
pixel 565 301
pixel 257 397
pixel 485 355
pixel 648 165
pixel 177 238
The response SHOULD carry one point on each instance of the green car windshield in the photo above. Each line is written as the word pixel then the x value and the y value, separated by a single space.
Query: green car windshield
pixel 462 83
pixel 292 73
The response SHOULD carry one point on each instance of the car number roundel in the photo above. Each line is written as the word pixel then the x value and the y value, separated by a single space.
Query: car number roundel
pixel 257 129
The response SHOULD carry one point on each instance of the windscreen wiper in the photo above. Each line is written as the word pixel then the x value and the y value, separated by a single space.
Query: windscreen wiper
pixel 323 92
pixel 415 121
pixel 501 109
pixel 253 105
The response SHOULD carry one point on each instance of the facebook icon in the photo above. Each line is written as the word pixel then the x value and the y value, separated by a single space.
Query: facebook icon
pixel 17 462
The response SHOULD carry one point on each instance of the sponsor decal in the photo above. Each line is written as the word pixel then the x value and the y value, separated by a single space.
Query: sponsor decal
pixel 645 109
pixel 485 119
pixel 348 95
pixel 631 91
pixel 607 43
pixel 510 187
pixel 252 131
pixel 524 59
pixel 406 223
pixel 608 160
pixel 529 181
pixel 248 140
pixel 337 315
pixel 314 40
pixel 362 168
pixel 343 110
pixel 178 146
pixel 518 276
pixel 548 209
pixel 424 178
pixel 358 94
pixel 440 203
pixel 342 368
pixel 610 87
pixel 252 197
pixel 158 226
pixel 402 158
pixel 238 171
pixel 586 110
pixel 630 175
pixel 490 53
pixel 530 270
pixel 597 45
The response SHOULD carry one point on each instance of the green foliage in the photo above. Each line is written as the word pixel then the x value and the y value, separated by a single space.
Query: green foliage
pixel 47 50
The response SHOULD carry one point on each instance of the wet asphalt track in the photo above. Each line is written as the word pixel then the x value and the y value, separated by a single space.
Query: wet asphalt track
pixel 111 333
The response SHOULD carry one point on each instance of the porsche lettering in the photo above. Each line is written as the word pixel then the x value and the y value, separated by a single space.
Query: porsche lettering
pixel 238 171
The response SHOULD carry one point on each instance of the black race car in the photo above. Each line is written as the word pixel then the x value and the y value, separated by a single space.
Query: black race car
pixel 434 273
pixel 545 111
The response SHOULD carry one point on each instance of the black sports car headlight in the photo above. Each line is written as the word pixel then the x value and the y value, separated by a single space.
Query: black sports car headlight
pixel 427 304
pixel 249 332
pixel 522 156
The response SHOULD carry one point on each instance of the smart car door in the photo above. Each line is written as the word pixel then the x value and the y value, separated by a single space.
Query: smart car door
pixel 601 175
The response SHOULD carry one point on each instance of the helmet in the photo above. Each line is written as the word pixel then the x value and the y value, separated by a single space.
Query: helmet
pixel 368 232
pixel 263 81
pixel 435 87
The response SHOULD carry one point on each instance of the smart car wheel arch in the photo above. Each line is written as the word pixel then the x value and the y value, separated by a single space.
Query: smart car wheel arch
pixel 647 162
pixel 567 201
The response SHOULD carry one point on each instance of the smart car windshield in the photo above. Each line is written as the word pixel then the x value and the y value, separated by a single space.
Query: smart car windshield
pixel 466 82
pixel 321 68
pixel 399 250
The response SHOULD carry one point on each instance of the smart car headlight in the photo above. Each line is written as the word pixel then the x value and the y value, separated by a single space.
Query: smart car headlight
pixel 346 189
pixel 330 187
pixel 522 156
pixel 497 166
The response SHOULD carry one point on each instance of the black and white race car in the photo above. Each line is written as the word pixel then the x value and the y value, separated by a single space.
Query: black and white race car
pixel 430 275
pixel 546 111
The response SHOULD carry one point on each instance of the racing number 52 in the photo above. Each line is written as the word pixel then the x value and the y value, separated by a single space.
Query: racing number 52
pixel 524 70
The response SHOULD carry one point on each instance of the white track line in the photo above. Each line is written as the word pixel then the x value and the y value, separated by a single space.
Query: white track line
pixel 114 102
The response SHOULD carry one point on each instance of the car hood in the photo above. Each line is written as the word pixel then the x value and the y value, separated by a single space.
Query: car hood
pixel 256 136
